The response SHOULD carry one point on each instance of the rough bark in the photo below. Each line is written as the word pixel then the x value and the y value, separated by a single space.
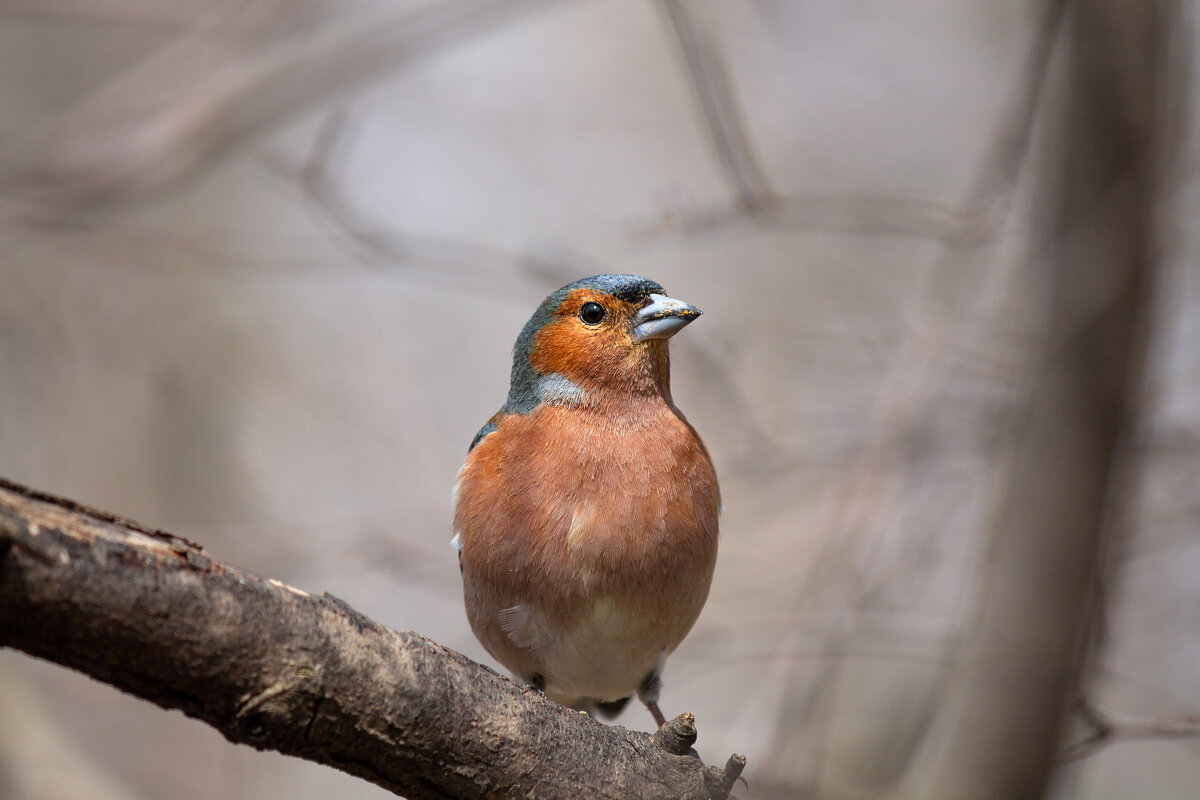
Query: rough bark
pixel 278 668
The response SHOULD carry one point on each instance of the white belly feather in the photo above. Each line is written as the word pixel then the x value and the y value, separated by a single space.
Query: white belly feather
pixel 597 658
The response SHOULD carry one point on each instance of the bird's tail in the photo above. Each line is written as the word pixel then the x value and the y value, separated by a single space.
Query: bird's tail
pixel 609 709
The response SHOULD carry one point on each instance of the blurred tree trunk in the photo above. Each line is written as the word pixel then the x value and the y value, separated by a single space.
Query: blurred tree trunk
pixel 1019 667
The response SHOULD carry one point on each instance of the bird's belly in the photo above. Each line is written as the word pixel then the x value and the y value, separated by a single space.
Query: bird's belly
pixel 605 655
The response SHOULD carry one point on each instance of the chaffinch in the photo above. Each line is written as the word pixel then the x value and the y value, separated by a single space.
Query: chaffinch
pixel 585 515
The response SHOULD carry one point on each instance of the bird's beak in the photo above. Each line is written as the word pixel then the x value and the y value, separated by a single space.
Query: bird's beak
pixel 662 318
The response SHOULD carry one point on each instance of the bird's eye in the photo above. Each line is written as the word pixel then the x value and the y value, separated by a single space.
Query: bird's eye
pixel 592 313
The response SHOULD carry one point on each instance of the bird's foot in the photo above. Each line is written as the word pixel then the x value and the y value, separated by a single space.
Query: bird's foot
pixel 648 694
pixel 659 719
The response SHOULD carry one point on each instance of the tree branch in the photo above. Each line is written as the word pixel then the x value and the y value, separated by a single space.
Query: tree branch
pixel 232 71
pixel 1021 663
pixel 277 668
pixel 1103 730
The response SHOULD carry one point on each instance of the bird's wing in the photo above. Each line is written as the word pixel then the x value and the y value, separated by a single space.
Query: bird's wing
pixel 525 626
pixel 490 427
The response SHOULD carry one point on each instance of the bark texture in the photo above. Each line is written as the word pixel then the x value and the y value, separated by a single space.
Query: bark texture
pixel 278 668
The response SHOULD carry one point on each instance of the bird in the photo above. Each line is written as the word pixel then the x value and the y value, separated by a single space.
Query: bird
pixel 586 513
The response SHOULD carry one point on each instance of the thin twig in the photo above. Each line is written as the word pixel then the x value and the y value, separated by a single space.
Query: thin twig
pixel 719 107
pixel 1103 731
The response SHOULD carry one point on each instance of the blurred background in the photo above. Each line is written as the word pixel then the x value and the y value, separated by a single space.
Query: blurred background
pixel 263 264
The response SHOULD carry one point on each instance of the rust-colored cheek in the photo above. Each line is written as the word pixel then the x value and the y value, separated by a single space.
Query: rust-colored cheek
pixel 583 356
pixel 601 358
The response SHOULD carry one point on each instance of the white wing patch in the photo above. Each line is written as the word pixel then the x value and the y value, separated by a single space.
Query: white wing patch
pixel 524 627
pixel 455 542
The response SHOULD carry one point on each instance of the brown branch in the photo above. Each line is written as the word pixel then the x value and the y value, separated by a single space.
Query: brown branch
pixel 856 215
pixel 974 221
pixel 1103 730
pixel 277 668
pixel 235 73
pixel 1021 663
pixel 719 107
pixel 467 267
pixel 149 14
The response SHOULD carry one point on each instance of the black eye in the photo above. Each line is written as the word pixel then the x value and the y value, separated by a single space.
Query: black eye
pixel 591 313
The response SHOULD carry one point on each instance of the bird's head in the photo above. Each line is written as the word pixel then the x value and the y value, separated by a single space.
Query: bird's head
pixel 606 333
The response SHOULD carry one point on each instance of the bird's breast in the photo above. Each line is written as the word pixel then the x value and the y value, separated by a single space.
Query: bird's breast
pixel 603 525
pixel 616 498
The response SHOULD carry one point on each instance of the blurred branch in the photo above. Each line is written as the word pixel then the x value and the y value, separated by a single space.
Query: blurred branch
pixel 274 667
pixel 147 13
pixel 719 107
pixel 239 70
pixel 861 215
pixel 1019 667
pixel 757 203
pixel 1103 730
pixel 958 305
pixel 959 297
pixel 466 266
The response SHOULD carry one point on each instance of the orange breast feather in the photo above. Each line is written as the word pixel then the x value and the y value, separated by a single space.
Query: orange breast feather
pixel 564 508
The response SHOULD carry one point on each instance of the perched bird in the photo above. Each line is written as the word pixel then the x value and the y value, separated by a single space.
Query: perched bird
pixel 585 515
